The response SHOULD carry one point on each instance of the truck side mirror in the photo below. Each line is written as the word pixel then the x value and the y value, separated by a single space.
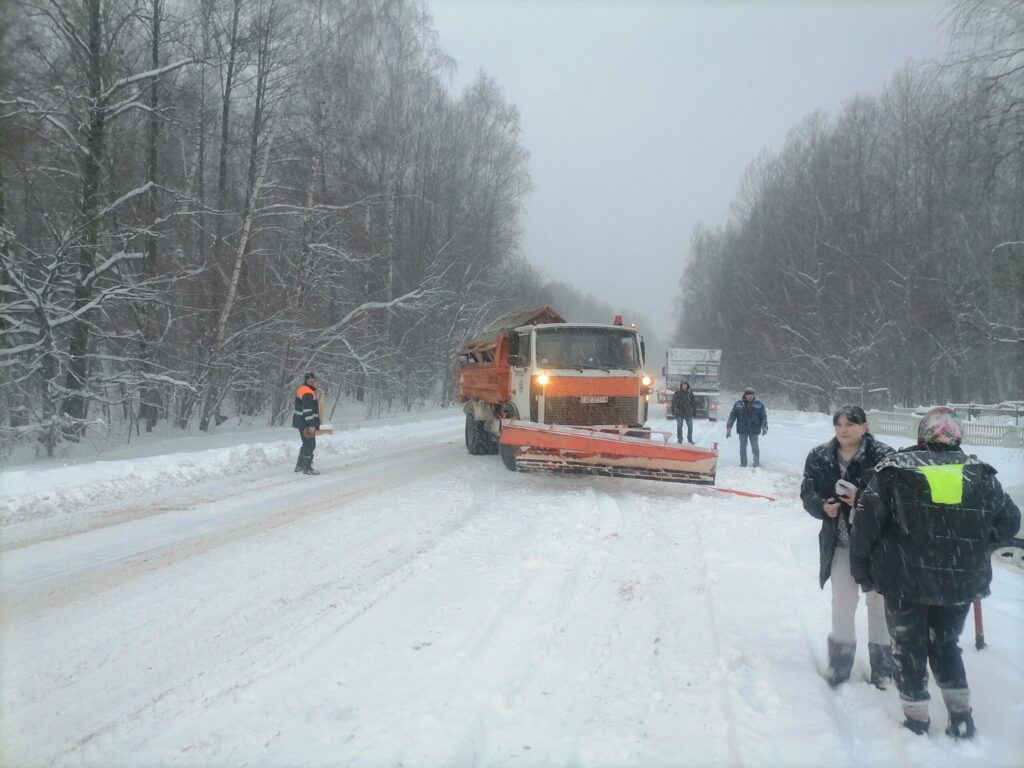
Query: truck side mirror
pixel 513 350
pixel 663 371
pixel 643 351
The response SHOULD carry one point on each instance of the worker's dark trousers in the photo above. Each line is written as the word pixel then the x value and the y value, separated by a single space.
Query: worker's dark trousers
pixel 306 452
pixel 680 420
pixel 922 634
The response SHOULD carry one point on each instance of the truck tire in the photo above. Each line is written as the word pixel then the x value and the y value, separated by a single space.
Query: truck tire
pixel 508 456
pixel 488 441
pixel 476 436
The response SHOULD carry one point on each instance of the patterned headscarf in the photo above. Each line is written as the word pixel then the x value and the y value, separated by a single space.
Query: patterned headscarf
pixel 940 423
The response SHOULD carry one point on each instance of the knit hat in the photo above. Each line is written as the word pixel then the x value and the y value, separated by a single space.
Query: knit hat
pixel 749 391
pixel 940 423
pixel 309 375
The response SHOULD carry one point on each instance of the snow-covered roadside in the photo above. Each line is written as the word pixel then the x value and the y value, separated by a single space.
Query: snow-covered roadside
pixel 33 490
pixel 32 500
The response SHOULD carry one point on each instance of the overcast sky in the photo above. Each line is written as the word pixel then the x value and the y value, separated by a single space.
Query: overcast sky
pixel 640 116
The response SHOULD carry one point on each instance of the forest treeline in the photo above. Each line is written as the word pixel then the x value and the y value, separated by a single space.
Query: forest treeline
pixel 882 248
pixel 200 200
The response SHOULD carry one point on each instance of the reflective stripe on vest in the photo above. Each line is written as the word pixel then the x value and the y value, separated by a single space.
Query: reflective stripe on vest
pixel 946 483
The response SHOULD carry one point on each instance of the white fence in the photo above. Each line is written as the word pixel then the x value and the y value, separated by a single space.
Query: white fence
pixel 975 433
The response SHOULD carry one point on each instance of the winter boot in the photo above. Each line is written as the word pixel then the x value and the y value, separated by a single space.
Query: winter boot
pixel 916 714
pixel 881 665
pixel 840 661
pixel 919 727
pixel 308 468
pixel 961 721
pixel 961 725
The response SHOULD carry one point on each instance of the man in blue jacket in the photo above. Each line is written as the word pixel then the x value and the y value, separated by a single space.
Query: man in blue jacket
pixel 751 420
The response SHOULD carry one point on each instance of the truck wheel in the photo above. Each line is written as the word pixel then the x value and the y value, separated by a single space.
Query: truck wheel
pixel 475 436
pixel 508 456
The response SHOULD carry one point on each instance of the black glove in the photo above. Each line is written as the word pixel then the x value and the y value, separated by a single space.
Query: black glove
pixel 867 586
pixel 861 572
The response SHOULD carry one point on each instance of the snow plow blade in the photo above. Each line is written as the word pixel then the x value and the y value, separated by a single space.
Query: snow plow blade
pixel 609 451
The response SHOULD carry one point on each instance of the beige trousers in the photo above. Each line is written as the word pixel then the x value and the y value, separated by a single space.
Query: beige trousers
pixel 845 594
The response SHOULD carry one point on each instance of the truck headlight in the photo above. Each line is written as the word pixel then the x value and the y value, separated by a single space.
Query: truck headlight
pixel 542 379
pixel 647 381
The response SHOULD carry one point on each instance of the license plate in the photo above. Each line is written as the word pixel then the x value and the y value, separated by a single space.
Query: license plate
pixel 594 399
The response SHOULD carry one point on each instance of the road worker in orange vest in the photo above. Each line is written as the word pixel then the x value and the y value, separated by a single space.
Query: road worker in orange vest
pixel 307 420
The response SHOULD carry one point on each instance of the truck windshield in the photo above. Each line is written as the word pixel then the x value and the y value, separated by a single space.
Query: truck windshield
pixel 600 348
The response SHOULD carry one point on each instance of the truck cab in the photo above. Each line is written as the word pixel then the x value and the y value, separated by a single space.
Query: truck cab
pixel 578 373
pixel 538 368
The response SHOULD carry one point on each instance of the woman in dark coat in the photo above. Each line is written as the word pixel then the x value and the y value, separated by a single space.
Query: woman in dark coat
pixel 850 456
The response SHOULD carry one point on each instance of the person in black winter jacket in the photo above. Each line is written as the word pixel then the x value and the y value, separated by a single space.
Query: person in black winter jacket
pixel 684 406
pixel 306 419
pixel 850 456
pixel 923 536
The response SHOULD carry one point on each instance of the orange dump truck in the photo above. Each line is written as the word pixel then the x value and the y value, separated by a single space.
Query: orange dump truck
pixel 570 397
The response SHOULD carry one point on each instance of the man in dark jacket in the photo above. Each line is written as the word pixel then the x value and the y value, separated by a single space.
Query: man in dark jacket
pixel 751 420
pixel 307 420
pixel 850 456
pixel 684 406
pixel 923 536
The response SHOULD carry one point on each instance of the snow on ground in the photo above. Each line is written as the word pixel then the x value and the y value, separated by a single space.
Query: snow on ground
pixel 418 606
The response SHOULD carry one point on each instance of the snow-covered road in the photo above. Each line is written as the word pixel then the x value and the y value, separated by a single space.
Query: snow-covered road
pixel 417 606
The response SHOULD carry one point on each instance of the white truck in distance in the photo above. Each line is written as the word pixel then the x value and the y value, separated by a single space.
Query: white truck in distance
pixel 700 368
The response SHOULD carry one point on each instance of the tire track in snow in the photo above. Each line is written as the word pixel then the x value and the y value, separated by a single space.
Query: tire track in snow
pixel 723 688
pixel 528 599
pixel 253 648
pixel 658 644
pixel 608 598
pixel 288 641
pixel 34 595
